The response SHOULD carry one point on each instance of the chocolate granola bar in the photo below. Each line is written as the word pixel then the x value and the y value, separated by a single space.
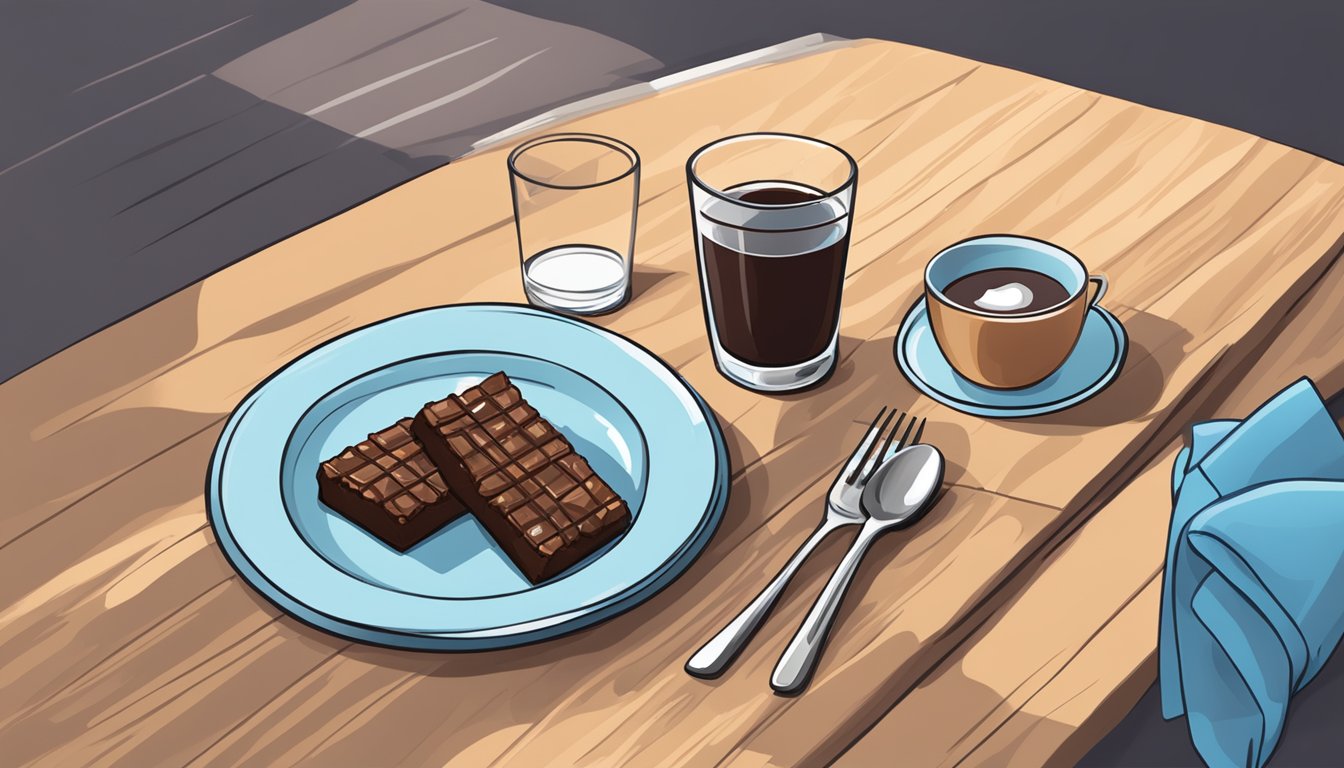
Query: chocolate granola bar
pixel 389 487
pixel 524 481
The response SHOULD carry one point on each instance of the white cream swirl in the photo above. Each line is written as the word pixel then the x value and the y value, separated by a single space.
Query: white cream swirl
pixel 1005 298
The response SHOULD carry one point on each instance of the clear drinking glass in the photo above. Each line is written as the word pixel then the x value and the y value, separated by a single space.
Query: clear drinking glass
pixel 771 214
pixel 574 202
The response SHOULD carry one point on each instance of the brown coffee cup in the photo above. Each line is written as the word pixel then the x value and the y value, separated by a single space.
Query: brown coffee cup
pixel 1008 349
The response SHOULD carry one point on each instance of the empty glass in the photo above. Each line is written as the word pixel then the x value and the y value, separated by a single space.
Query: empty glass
pixel 574 202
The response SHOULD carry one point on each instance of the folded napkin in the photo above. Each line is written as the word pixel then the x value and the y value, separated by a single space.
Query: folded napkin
pixel 1253 600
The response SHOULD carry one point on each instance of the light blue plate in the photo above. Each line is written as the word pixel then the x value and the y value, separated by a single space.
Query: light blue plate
pixel 1094 363
pixel 639 424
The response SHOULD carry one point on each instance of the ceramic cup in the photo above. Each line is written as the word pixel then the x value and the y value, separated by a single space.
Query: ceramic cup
pixel 1008 350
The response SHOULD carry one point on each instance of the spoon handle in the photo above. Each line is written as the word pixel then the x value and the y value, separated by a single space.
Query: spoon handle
pixel 799 660
pixel 715 656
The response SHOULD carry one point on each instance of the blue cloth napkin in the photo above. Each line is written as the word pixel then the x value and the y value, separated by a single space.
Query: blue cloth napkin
pixel 1253 600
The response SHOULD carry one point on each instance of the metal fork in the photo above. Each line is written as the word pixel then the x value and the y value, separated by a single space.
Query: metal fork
pixel 842 509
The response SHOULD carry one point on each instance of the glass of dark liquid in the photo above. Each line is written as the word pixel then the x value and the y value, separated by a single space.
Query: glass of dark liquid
pixel 771 215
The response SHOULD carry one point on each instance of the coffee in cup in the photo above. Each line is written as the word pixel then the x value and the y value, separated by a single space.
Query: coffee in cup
pixel 1006 310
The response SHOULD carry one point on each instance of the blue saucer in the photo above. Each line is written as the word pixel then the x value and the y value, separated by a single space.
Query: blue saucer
pixel 1094 363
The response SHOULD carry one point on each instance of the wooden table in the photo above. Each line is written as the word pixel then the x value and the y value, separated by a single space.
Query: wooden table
pixel 1002 627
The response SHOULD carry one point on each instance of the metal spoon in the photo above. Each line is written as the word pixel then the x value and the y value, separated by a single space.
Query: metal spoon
pixel 897 496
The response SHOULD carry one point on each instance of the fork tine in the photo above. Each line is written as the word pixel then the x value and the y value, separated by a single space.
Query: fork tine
pixel 868 437
pixel 871 467
pixel 869 445
pixel 905 437
pixel 919 432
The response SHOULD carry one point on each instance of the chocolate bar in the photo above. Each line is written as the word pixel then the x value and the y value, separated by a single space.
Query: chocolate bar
pixel 536 496
pixel 389 487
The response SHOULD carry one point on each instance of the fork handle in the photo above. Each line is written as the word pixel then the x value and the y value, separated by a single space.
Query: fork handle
pixel 716 655
pixel 799 660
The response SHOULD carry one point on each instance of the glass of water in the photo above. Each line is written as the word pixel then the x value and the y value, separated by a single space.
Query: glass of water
pixel 574 202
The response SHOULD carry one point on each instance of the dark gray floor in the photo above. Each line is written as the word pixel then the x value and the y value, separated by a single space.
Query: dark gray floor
pixel 145 144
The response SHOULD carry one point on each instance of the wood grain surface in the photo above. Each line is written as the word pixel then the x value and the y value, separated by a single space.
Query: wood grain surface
pixel 126 637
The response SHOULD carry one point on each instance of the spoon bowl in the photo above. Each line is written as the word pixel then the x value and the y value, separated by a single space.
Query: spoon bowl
pixel 904 486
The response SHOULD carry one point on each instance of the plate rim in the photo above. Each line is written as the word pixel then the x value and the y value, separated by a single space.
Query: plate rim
pixel 1117 363
pixel 556 625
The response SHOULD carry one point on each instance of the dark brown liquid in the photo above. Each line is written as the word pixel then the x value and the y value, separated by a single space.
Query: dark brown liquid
pixel 776 310
pixel 1046 292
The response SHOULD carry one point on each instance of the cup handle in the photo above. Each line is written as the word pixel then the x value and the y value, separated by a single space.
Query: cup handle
pixel 1102 284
